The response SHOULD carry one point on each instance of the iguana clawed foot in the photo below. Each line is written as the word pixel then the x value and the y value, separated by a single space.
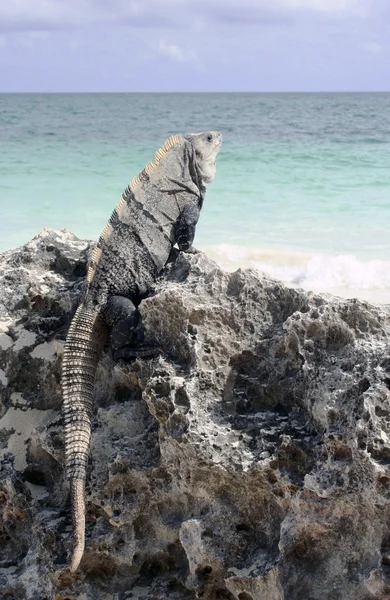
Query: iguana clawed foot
pixel 191 250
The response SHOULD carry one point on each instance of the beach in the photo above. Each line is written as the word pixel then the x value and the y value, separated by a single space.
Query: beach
pixel 302 186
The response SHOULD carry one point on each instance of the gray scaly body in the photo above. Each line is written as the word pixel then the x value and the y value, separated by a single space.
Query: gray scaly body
pixel 160 208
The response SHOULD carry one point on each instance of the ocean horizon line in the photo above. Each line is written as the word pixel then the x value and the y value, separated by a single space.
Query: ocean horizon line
pixel 181 92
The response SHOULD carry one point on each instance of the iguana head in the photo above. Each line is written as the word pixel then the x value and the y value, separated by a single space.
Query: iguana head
pixel 206 146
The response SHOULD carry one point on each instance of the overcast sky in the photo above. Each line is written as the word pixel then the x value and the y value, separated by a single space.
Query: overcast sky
pixel 194 45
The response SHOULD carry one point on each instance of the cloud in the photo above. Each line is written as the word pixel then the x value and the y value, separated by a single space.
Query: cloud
pixel 177 54
pixel 19 15
pixel 38 15
pixel 372 47
pixel 329 6
pixel 283 11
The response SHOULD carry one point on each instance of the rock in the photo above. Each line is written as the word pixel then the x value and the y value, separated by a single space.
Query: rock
pixel 249 460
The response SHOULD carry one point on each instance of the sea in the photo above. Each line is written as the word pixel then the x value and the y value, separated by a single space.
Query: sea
pixel 302 190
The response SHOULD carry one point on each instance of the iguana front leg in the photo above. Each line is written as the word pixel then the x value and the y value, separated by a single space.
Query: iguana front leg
pixel 185 230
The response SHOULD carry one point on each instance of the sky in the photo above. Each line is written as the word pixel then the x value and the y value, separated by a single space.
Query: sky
pixel 194 45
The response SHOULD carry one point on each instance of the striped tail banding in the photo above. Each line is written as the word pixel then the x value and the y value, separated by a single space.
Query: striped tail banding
pixel 85 340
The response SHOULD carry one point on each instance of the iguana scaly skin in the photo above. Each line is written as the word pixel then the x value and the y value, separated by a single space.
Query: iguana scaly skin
pixel 160 208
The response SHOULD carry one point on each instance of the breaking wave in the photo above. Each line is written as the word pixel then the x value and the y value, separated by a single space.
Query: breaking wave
pixel 318 272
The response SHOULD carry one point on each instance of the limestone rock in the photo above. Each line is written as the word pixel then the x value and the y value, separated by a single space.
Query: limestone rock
pixel 248 460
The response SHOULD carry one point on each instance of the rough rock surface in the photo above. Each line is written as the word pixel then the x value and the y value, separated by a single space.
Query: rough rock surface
pixel 249 460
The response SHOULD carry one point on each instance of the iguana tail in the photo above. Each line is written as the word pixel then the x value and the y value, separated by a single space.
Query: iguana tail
pixel 84 343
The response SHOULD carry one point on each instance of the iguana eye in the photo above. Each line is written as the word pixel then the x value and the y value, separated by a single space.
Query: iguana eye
pixel 209 137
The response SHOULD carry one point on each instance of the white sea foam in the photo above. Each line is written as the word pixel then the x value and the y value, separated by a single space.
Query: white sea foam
pixel 343 275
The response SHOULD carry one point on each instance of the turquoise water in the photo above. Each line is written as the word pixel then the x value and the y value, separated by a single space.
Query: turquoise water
pixel 302 187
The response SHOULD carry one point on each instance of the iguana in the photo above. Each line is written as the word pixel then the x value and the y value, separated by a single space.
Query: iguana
pixel 160 208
